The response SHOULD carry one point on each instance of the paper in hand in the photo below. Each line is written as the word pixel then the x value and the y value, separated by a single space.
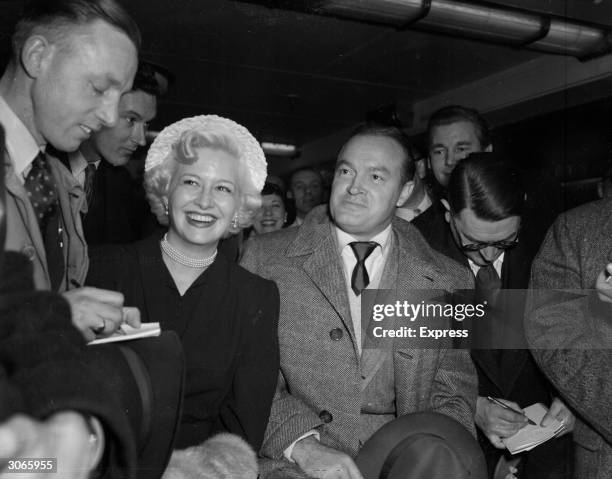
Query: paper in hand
pixel 531 436
pixel 146 330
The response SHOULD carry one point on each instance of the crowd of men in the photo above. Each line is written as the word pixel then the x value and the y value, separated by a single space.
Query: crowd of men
pixel 74 106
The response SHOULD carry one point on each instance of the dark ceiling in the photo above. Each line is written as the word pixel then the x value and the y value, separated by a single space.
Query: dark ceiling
pixel 295 77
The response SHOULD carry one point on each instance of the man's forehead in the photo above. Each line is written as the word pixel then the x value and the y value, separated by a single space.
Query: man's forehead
pixel 114 52
pixel 478 229
pixel 461 130
pixel 305 176
pixel 372 152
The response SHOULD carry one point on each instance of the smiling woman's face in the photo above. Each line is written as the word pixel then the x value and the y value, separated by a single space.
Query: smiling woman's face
pixel 204 196
pixel 271 216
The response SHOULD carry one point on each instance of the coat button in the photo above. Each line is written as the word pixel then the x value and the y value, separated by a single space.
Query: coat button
pixel 326 416
pixel 29 252
pixel 336 334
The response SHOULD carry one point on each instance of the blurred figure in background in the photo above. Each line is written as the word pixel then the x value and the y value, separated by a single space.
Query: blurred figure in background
pixel 306 190
pixel 419 199
pixel 272 215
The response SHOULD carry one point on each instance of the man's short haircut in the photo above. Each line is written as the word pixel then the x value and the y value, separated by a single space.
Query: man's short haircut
pixel 487 184
pixel 53 18
pixel 316 172
pixel 394 133
pixel 455 113
pixel 146 80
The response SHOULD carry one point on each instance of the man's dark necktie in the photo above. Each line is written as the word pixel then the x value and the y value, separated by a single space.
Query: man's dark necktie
pixel 42 191
pixel 360 278
pixel 88 186
pixel 487 285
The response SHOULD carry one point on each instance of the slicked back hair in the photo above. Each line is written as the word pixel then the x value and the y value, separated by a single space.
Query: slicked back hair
pixel 54 18
pixel 146 80
pixel 394 133
pixel 455 113
pixel 487 184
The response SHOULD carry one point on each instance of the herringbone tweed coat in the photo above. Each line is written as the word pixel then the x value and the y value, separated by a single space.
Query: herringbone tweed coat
pixel 320 374
pixel 572 339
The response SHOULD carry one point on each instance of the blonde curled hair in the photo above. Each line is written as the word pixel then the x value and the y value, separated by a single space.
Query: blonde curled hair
pixel 158 179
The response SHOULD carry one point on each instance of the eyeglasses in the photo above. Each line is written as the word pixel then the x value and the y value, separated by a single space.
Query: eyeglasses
pixel 502 245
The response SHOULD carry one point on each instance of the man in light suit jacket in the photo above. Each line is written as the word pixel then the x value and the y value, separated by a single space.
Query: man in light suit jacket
pixel 71 61
pixel 571 336
pixel 333 394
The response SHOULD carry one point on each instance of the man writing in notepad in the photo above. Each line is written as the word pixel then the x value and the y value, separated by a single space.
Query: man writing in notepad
pixel 489 230
pixel 72 60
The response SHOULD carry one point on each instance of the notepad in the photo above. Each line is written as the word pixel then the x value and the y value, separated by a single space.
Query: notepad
pixel 146 330
pixel 531 436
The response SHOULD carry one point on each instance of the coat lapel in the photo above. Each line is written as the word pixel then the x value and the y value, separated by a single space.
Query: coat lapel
pixel 316 241
pixel 26 212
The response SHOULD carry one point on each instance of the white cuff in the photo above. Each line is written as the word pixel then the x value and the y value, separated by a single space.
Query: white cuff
pixel 287 452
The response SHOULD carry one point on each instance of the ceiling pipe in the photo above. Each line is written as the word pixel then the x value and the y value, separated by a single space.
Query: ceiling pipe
pixel 479 21
pixel 471 19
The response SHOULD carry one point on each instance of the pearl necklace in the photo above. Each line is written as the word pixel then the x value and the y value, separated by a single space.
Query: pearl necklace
pixel 183 259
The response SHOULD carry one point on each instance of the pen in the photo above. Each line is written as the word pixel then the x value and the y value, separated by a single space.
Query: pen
pixel 505 406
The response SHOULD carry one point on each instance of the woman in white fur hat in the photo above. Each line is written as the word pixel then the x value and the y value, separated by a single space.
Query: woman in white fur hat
pixel 203 178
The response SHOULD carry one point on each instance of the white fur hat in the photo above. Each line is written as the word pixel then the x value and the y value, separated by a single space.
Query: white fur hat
pixel 250 149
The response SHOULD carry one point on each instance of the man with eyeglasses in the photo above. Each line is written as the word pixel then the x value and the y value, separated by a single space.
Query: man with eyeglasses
pixel 489 230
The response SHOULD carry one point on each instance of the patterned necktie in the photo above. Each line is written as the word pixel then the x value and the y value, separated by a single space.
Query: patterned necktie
pixel 487 285
pixel 360 278
pixel 42 190
pixel 41 187
pixel 88 186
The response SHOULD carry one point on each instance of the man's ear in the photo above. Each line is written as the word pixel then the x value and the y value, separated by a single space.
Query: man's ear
pixel 489 148
pixel 289 194
pixel 35 55
pixel 447 208
pixel 405 193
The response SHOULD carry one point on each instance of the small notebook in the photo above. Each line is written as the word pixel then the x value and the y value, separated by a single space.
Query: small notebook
pixel 146 330
pixel 531 436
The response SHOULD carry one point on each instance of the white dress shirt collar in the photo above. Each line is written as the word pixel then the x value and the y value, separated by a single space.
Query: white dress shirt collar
pixel 78 163
pixel 409 214
pixel 345 238
pixel 20 144
pixel 497 264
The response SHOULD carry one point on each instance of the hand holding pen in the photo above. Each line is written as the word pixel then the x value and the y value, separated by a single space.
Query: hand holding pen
pixel 499 421
pixel 99 312
pixel 505 406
